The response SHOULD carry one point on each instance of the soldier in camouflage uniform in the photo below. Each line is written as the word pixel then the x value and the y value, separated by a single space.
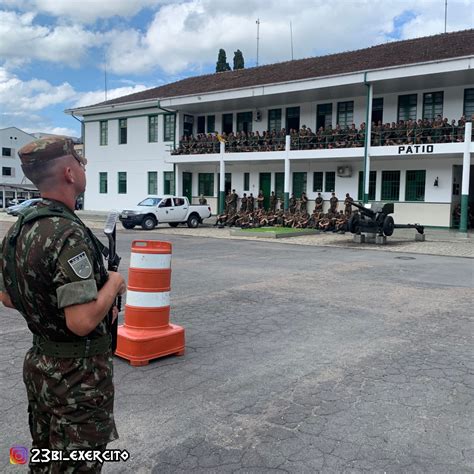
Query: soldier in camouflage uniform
pixel 52 272
pixel 333 202
pixel 273 202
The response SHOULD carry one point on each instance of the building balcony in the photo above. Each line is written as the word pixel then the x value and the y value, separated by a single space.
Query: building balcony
pixel 326 144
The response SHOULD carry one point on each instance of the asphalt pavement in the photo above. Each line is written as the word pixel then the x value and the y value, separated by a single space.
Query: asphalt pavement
pixel 299 358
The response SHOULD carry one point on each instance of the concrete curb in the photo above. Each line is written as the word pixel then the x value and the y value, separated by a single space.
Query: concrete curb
pixel 269 234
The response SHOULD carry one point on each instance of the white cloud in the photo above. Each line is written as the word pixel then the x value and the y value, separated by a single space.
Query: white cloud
pixel 33 95
pixel 21 40
pixel 84 11
pixel 186 36
pixel 94 97
pixel 27 104
pixel 430 18
pixel 69 132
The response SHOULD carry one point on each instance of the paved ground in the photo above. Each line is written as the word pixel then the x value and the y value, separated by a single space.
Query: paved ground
pixel 298 359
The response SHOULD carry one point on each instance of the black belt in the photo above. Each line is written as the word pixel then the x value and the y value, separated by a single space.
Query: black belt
pixel 82 348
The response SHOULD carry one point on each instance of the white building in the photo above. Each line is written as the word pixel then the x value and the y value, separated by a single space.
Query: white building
pixel 128 140
pixel 13 184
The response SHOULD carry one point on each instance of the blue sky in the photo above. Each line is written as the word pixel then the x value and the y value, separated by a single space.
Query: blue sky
pixel 52 51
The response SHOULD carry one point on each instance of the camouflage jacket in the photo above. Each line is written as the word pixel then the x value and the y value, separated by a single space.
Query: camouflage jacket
pixel 57 265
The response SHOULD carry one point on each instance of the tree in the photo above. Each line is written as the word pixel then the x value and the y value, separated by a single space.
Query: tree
pixel 222 64
pixel 238 60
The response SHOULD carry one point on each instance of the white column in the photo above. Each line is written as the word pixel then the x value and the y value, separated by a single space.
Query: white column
pixel 368 142
pixel 466 163
pixel 287 164
pixel 222 178
pixel 466 169
pixel 177 181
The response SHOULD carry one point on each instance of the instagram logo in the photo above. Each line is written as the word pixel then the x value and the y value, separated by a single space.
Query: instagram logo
pixel 18 455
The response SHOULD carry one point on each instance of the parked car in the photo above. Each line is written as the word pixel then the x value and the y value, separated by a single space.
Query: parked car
pixel 172 210
pixel 14 210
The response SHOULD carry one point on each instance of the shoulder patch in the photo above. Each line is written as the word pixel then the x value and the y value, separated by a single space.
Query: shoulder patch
pixel 81 265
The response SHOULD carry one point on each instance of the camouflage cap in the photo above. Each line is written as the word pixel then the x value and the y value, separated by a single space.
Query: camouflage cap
pixel 46 149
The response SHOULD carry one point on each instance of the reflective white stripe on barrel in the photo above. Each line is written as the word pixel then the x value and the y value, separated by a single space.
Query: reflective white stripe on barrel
pixel 145 299
pixel 156 261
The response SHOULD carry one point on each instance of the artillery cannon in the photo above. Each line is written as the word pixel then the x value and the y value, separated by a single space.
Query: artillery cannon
pixel 377 220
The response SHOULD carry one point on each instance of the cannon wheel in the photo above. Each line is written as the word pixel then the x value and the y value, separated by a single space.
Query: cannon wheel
pixel 388 226
pixel 353 224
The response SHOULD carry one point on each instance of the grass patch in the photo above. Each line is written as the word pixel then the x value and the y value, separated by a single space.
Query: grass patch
pixel 277 230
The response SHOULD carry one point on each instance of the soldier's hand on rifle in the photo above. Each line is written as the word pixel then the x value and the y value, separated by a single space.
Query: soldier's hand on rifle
pixel 117 280
pixel 115 313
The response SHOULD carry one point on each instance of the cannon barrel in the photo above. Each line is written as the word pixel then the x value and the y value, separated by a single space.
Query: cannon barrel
pixel 365 210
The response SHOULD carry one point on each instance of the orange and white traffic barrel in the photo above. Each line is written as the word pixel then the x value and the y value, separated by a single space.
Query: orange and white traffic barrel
pixel 147 333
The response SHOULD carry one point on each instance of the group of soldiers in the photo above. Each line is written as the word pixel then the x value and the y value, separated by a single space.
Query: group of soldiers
pixel 409 132
pixel 296 216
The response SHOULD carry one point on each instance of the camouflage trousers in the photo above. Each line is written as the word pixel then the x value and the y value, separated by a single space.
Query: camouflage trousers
pixel 70 406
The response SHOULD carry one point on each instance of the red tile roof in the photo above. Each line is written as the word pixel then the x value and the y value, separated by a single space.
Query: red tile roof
pixel 399 53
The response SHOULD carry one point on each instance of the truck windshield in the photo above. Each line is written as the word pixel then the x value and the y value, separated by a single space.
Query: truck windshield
pixel 150 202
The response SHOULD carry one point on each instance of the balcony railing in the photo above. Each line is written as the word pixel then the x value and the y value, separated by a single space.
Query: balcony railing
pixel 324 139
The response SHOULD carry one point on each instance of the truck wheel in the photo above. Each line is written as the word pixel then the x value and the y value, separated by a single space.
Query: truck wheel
pixel 388 226
pixel 148 223
pixel 193 221
pixel 127 225
pixel 173 224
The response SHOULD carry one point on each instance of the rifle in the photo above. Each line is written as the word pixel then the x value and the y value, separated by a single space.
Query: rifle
pixel 113 261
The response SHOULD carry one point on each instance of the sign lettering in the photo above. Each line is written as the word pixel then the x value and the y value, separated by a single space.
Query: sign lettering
pixel 414 149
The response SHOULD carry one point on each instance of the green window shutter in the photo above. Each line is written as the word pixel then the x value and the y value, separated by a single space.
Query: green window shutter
pixel 345 113
pixel 246 181
pixel 318 181
pixel 103 183
pixel 122 182
pixel 122 131
pixel 330 184
pixel 323 115
pixel 299 183
pixel 152 182
pixel 468 103
pixel 432 105
pixel 279 185
pixel 407 107
pixel 211 123
pixel 206 184
pixel 415 185
pixel 168 182
pixel 372 185
pixel 390 185
pixel 244 122
pixel 274 120
pixel 104 132
pixel 168 128
pixel 152 128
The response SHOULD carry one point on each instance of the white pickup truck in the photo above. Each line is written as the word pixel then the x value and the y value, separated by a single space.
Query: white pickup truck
pixel 171 210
